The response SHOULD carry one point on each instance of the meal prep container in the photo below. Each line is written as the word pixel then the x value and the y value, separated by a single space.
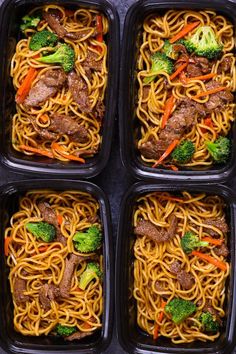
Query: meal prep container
pixel 129 91
pixel 11 13
pixel 15 342
pixel 130 336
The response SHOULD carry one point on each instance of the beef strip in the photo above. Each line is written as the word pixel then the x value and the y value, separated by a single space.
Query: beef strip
pixel 49 215
pixel 155 233
pixel 71 264
pixel 53 21
pixel 198 66
pixel 91 62
pixel 221 250
pixel 219 99
pixel 63 124
pixel 99 109
pixel 152 149
pixel 48 293
pixel 225 65
pixel 78 335
pixel 44 133
pixel 218 223
pixel 19 288
pixel 79 91
pixel 46 87
pixel 185 279
pixel 209 308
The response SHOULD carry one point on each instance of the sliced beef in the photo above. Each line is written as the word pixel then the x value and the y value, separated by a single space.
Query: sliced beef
pixel 79 91
pixel 19 288
pixel 225 65
pixel 158 286
pixel 99 109
pixel 70 267
pixel 198 66
pixel 63 124
pixel 78 335
pixel 185 279
pixel 146 90
pixel 48 293
pixel 44 133
pixel 152 149
pixel 218 223
pixel 91 63
pixel 46 87
pixel 49 215
pixel 209 308
pixel 219 99
pixel 155 233
pixel 221 250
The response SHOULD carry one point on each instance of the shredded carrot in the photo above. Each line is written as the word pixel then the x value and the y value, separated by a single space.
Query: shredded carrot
pixel 168 108
pixel 209 92
pixel 208 122
pixel 7 242
pixel 178 71
pixel 36 151
pixel 59 219
pixel 44 118
pixel 59 149
pixel 24 88
pixel 183 78
pixel 171 167
pixel 43 248
pixel 206 257
pixel 202 77
pixel 188 28
pixel 213 241
pixel 166 153
pixel 160 318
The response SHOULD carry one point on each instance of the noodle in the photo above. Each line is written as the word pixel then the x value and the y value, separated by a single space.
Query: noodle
pixel 27 122
pixel 153 279
pixel 152 98
pixel 40 263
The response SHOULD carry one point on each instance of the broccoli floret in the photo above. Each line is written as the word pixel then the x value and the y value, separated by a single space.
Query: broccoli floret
pixel 42 39
pixel 65 56
pixel 160 63
pixel 183 152
pixel 172 50
pixel 204 43
pixel 89 240
pixel 92 270
pixel 65 331
pixel 208 322
pixel 180 309
pixel 43 230
pixel 220 149
pixel 189 242
pixel 29 22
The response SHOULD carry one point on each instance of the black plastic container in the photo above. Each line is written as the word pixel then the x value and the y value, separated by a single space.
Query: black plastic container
pixel 15 342
pixel 11 13
pixel 128 91
pixel 130 336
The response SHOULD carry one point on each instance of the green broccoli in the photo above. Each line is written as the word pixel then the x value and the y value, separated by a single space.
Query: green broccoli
pixel 92 270
pixel 180 309
pixel 172 50
pixel 29 22
pixel 190 241
pixel 88 241
pixel 43 230
pixel 160 63
pixel 208 322
pixel 204 43
pixel 42 39
pixel 65 331
pixel 183 152
pixel 65 56
pixel 220 149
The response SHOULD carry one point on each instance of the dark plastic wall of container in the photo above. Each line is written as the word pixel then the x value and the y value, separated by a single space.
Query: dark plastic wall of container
pixel 17 343
pixel 11 13
pixel 130 336
pixel 128 92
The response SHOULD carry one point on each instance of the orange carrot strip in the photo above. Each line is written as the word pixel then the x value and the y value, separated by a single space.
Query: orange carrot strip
pixel 168 108
pixel 99 36
pixel 7 242
pixel 206 257
pixel 208 123
pixel 202 77
pixel 183 78
pixel 59 219
pixel 160 318
pixel 37 151
pixel 209 92
pixel 24 88
pixel 166 153
pixel 213 241
pixel 178 71
pixel 59 149
pixel 44 118
pixel 188 28
pixel 43 248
